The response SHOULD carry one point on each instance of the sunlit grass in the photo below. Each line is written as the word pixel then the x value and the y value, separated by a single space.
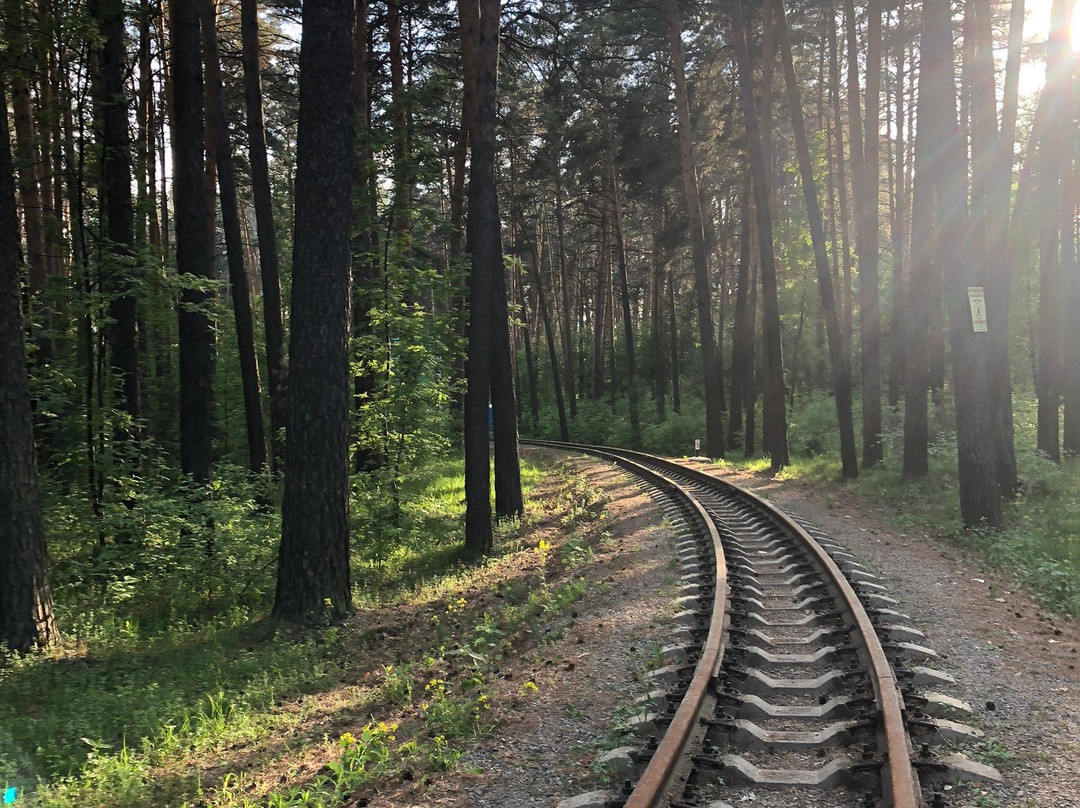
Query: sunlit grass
pixel 132 712
pixel 1041 540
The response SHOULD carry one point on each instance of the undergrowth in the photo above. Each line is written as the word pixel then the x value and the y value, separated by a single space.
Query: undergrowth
pixel 204 701
pixel 1041 540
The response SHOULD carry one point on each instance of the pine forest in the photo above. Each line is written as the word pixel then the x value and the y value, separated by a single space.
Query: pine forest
pixel 284 286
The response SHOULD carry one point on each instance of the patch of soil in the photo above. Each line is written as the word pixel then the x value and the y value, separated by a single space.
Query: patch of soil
pixel 586 666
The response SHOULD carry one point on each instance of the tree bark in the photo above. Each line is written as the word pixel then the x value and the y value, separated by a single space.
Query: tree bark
pixel 240 290
pixel 628 322
pixel 480 23
pixel 26 614
pixel 999 279
pixel 120 256
pixel 264 224
pixel 714 426
pixel 740 339
pixel 774 416
pixel 194 242
pixel 657 312
pixel 313 562
pixel 841 362
pixel 980 498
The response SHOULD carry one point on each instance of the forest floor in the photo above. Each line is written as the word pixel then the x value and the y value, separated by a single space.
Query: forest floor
pixel 1014 661
pixel 501 684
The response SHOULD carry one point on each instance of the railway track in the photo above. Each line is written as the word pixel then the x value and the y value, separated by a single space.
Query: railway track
pixel 785 686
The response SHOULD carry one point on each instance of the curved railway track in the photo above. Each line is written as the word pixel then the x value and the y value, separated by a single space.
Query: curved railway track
pixel 781 682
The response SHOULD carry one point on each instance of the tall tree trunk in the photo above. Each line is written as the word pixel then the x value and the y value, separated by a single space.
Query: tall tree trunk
pixel 264 223
pixel 774 416
pixel 999 270
pixel 549 336
pixel 26 614
pixel 603 275
pixel 1054 155
pixel 240 290
pixel 22 65
pixel 841 362
pixel 673 327
pixel 624 291
pixel 657 312
pixel 194 242
pixel 864 147
pixel 1071 270
pixel 508 497
pixel 714 427
pixel 313 562
pixel 480 23
pixel 566 321
pixel 980 498
pixel 897 335
pixel 365 227
pixel 399 122
pixel 530 361
pixel 119 211
pixel 741 340
pixel 844 298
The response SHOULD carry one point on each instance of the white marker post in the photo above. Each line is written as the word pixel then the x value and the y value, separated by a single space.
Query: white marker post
pixel 697 446
pixel 977 301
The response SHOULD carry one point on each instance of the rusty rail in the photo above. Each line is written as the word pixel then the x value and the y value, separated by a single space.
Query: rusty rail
pixel 901 785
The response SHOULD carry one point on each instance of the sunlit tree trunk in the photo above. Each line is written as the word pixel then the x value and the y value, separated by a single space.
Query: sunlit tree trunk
pixel 714 427
pixel 841 362
pixel 774 411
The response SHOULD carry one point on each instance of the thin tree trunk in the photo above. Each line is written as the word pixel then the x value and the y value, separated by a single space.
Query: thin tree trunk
pixel 530 362
pixel 240 290
pixel 844 298
pixel 313 562
pixel 119 211
pixel 676 394
pixel 264 224
pixel 841 362
pixel 628 323
pixel 1054 153
pixel 365 229
pixel 566 321
pixel 740 338
pixel 774 415
pixel 714 426
pixel 999 270
pixel 897 336
pixel 601 310
pixel 549 336
pixel 657 312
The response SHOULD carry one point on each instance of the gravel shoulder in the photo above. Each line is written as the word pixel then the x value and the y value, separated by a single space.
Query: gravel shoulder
pixel 1015 662
pixel 583 673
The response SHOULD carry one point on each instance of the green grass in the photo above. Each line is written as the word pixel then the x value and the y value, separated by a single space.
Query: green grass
pixel 154 702
pixel 1041 540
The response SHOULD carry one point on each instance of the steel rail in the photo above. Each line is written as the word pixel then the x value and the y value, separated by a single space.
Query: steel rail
pixel 901 786
pixel 663 768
